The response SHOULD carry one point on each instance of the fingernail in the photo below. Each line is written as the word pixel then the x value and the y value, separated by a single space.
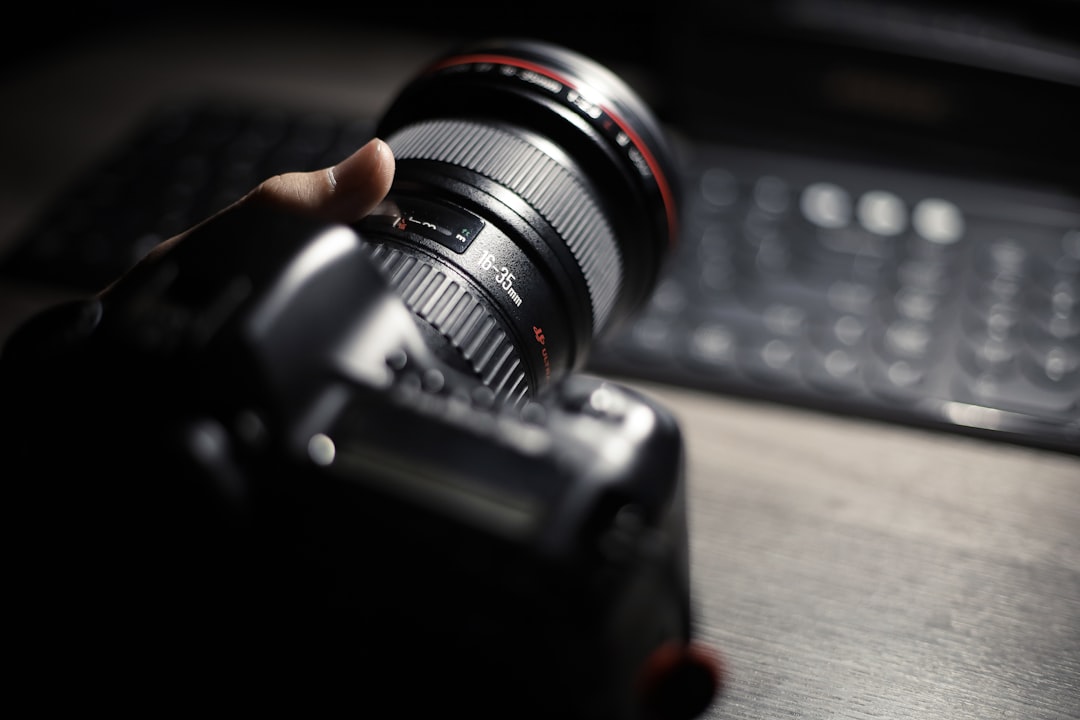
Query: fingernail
pixel 363 179
pixel 362 161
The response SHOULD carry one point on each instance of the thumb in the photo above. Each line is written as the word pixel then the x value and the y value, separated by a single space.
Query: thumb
pixel 343 193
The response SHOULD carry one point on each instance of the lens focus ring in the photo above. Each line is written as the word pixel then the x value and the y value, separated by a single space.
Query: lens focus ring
pixel 455 312
pixel 551 187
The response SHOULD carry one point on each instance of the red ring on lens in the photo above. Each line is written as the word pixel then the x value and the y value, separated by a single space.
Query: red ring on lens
pixel 662 184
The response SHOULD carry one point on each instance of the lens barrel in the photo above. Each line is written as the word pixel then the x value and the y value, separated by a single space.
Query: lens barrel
pixel 532 208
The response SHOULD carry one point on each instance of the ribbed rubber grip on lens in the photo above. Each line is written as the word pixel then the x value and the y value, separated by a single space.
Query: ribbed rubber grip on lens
pixel 546 184
pixel 459 316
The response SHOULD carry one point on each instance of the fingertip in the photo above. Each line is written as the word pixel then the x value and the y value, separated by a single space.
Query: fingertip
pixel 344 192
pixel 387 165
pixel 363 179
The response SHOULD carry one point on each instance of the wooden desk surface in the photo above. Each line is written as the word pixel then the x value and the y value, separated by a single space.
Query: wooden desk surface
pixel 845 568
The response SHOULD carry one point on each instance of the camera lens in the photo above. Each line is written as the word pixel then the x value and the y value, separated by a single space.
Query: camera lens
pixel 532 208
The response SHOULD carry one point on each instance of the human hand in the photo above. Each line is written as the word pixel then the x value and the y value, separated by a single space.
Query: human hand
pixel 342 193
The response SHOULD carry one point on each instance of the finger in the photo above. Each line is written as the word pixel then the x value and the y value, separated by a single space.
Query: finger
pixel 343 193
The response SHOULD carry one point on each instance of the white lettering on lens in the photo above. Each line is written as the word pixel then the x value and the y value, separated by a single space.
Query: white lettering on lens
pixel 541 80
pixel 502 276
pixel 589 108
pixel 425 223
pixel 639 161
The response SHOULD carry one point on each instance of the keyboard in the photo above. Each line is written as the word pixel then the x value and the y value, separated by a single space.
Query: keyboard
pixel 872 291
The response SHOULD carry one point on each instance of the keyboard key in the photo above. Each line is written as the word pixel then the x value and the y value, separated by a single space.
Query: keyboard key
pixel 882 213
pixel 719 187
pixel 899 381
pixel 712 347
pixel 1015 393
pixel 772 361
pixel 907 340
pixel 939 221
pixel 1055 367
pixel 839 370
pixel 772 194
pixel 826 205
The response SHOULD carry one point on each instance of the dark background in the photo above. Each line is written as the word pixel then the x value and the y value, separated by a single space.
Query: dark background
pixel 988 88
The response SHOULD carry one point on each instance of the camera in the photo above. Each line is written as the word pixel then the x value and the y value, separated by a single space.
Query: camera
pixel 292 460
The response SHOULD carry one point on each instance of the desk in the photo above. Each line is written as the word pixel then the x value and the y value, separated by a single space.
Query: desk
pixel 844 568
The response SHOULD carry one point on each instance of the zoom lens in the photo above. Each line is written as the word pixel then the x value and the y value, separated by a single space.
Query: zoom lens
pixel 532 208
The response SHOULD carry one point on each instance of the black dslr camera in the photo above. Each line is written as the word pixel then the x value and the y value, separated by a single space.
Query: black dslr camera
pixel 292 460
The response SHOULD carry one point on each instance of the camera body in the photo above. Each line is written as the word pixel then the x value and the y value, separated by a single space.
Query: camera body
pixel 260 462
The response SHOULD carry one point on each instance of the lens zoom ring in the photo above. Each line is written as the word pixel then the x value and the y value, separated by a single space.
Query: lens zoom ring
pixel 459 316
pixel 539 179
